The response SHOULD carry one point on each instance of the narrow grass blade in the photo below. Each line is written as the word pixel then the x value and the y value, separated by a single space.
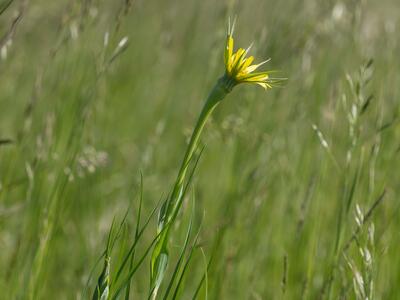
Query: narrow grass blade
pixel 127 279
pixel 181 257
pixel 134 244
pixel 138 217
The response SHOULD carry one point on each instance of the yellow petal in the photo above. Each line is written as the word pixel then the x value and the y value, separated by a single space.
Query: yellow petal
pixel 256 76
pixel 246 62
pixel 264 85
pixel 259 78
pixel 239 55
pixel 255 67
pixel 228 51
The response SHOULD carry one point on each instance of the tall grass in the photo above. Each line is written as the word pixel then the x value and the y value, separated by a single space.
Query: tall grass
pixel 295 192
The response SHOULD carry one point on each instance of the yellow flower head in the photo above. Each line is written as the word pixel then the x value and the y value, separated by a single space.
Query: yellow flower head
pixel 240 69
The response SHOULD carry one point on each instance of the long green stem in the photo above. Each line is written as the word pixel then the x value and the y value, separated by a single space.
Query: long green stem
pixel 167 216
pixel 218 93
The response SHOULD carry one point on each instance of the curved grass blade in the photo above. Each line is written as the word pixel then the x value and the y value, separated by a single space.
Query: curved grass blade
pixel 128 288
pixel 132 248
pixel 180 260
pixel 186 266
pixel 126 281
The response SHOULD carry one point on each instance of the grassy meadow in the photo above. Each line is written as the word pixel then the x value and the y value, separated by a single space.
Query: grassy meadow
pixel 296 190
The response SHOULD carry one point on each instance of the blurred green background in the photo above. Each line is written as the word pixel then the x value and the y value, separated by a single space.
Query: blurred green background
pixel 282 171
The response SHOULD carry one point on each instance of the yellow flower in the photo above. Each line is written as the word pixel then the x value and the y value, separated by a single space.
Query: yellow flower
pixel 240 69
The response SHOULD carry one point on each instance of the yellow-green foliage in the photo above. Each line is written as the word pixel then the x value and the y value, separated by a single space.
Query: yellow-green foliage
pixel 290 180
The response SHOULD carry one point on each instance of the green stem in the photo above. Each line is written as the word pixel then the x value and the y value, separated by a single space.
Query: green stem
pixel 218 93
pixel 159 258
